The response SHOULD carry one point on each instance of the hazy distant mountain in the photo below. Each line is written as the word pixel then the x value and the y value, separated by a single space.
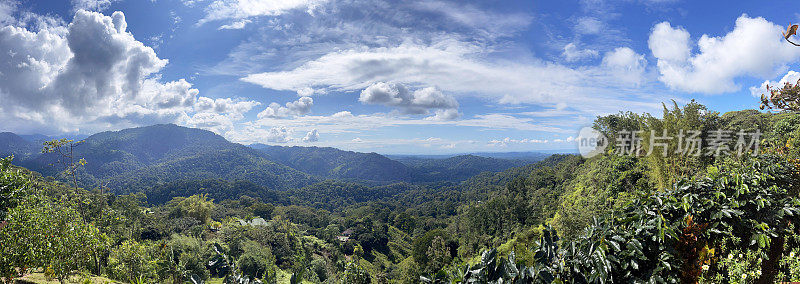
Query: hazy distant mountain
pixel 457 168
pixel 36 138
pixel 527 156
pixel 338 164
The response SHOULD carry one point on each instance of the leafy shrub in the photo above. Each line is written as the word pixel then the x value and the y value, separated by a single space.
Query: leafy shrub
pixel 355 274
pixel 132 261
pixel 42 233
pixel 256 260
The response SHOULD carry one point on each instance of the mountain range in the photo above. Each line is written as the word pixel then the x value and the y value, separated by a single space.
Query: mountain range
pixel 134 159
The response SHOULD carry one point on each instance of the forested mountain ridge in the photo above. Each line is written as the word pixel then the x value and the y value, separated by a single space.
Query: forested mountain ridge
pixel 114 152
pixel 13 144
pixel 333 163
pixel 335 195
pixel 132 159
pixel 459 167
pixel 137 159
pixel 339 164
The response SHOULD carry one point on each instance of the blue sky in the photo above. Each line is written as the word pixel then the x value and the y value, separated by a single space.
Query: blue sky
pixel 423 76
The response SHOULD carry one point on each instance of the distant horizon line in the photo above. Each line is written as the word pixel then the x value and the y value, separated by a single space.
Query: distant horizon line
pixel 81 135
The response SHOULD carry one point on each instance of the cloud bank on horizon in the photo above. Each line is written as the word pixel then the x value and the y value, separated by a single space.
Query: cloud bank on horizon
pixel 423 76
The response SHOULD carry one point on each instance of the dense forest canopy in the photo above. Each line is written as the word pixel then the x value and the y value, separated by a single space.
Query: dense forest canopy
pixel 201 209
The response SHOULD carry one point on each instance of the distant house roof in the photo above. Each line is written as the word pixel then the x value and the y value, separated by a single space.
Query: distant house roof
pixel 342 238
pixel 348 232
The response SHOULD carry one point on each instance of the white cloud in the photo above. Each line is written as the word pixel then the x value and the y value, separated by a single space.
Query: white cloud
pixel 590 25
pixel 345 129
pixel 508 141
pixel 568 139
pixel 7 9
pixel 238 25
pixel 243 9
pixel 444 114
pixel 294 37
pixel 91 5
pixel 625 64
pixel 224 105
pixel 219 115
pixel 790 77
pixel 90 75
pixel 416 102
pixel 300 107
pixel 311 136
pixel 218 123
pixel 396 145
pixel 305 92
pixel 490 24
pixel 279 135
pixel 342 114
pixel 460 69
pixel 345 122
pixel 572 53
pixel 669 44
pixel 753 48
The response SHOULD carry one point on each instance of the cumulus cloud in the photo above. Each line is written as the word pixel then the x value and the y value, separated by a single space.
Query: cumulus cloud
pixel 239 10
pixel 342 114
pixel 625 64
pixel 311 136
pixel 753 48
pixel 219 115
pixel 279 135
pixel 300 107
pixel 444 114
pixel 224 105
pixel 669 44
pixel 572 53
pixel 416 102
pixel 95 74
pixel 7 9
